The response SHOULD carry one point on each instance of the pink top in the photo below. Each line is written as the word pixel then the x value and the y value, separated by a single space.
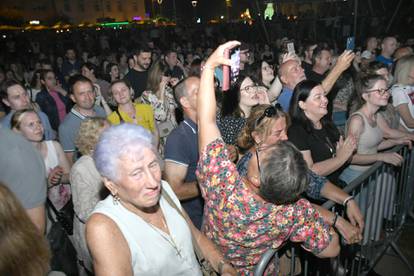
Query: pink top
pixel 59 104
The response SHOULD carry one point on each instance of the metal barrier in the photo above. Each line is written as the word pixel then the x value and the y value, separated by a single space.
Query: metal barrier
pixel 385 195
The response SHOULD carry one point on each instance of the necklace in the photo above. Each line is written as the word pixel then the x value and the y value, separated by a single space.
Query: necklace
pixel 168 239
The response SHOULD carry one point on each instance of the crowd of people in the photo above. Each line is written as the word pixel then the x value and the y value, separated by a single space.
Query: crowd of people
pixel 158 160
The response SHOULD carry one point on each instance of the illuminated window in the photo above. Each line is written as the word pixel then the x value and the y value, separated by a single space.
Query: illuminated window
pixel 119 5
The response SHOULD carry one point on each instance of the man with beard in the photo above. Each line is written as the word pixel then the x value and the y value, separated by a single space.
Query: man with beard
pixel 137 76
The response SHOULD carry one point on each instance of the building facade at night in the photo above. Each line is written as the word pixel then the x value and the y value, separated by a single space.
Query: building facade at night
pixel 75 11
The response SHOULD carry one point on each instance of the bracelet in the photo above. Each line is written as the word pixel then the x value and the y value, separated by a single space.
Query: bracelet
pixel 335 219
pixel 208 67
pixel 347 200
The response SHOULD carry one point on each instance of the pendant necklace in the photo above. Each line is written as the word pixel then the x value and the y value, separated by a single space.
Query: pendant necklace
pixel 163 235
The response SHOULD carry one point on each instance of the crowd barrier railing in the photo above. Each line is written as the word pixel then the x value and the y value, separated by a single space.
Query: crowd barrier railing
pixel 385 195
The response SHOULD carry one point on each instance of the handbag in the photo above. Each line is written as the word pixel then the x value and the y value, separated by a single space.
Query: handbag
pixel 64 257
pixel 65 215
pixel 165 128
pixel 205 266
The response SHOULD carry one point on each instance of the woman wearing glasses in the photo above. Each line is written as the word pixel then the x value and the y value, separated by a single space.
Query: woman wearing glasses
pixel 245 216
pixel 367 125
pixel 324 150
pixel 236 106
pixel 264 73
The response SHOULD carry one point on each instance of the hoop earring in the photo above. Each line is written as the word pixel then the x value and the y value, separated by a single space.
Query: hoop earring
pixel 115 199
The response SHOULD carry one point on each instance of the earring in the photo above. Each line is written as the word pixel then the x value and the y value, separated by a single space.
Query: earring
pixel 116 199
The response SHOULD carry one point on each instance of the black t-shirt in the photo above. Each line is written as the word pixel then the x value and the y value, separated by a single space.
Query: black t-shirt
pixel 320 142
pixel 138 81
pixel 307 67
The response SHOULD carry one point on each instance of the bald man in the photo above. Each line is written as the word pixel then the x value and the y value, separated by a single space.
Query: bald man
pixel 291 73
pixel 388 47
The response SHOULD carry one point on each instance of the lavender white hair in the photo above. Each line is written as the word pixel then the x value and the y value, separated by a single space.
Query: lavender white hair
pixel 117 141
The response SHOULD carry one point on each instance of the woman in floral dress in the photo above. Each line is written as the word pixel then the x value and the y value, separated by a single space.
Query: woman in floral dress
pixel 247 216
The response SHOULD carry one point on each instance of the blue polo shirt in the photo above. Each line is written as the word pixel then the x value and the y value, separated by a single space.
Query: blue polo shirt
pixel 387 61
pixel 284 98
pixel 182 148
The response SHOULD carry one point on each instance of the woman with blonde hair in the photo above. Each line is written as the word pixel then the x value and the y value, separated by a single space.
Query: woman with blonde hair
pixel 86 186
pixel 160 96
pixel 27 123
pixel 24 251
pixel 403 91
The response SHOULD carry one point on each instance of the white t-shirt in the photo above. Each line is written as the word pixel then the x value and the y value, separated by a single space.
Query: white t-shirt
pixel 403 94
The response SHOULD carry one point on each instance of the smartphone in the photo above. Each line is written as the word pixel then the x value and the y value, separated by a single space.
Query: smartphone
pixel 291 48
pixel 231 73
pixel 350 43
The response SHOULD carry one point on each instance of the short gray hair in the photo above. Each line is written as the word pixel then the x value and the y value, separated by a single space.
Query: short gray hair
pixel 283 174
pixel 117 141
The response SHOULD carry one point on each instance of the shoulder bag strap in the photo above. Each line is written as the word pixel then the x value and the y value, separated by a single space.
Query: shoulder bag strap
pixel 171 202
pixel 121 120
pixel 50 207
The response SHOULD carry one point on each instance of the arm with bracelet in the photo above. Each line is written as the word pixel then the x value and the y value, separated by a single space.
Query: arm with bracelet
pixel 337 195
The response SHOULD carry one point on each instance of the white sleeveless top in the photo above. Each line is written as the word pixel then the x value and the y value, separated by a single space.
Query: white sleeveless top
pixel 151 253
pixel 368 141
pixel 51 159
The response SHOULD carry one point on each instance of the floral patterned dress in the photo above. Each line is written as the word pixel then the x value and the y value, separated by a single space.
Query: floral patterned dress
pixel 245 226
pixel 163 111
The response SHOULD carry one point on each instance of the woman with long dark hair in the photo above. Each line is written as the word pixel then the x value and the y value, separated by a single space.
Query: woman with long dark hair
pixel 236 106
pixel 324 150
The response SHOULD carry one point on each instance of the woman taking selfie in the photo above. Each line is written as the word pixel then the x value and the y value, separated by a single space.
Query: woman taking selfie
pixel 137 229
pixel 242 215
pixel 160 96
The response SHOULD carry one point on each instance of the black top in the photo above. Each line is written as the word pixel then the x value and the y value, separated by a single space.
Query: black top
pixel 48 105
pixel 320 142
pixel 176 72
pixel 138 81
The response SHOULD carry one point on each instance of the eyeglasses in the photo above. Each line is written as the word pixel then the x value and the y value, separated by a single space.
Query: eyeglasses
pixel 381 91
pixel 251 89
pixel 269 112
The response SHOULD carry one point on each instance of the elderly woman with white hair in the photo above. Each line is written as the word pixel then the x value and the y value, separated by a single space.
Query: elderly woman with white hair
pixel 137 229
